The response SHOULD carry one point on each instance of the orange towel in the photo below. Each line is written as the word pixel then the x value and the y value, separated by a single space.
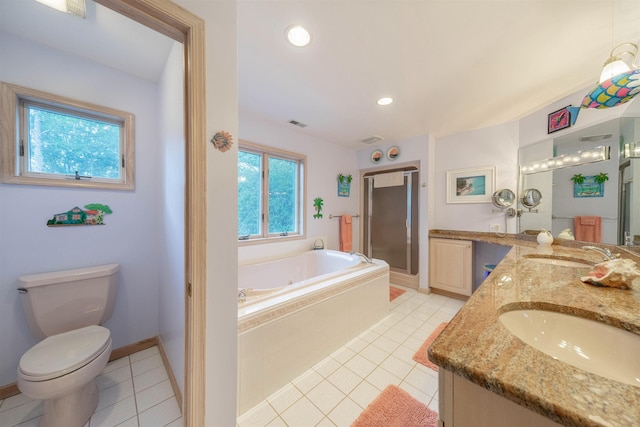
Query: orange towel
pixel 345 233
pixel 588 228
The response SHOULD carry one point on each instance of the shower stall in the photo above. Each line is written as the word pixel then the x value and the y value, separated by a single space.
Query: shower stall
pixel 390 220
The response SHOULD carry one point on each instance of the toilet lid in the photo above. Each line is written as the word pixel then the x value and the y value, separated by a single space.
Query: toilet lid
pixel 60 354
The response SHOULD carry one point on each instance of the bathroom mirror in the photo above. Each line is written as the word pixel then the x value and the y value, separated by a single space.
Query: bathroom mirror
pixel 530 198
pixel 503 198
pixel 619 203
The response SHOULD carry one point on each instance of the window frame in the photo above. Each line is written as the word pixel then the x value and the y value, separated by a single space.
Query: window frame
pixel 12 162
pixel 266 153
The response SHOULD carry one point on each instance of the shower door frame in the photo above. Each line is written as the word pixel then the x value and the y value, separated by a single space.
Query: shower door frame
pixel 408 171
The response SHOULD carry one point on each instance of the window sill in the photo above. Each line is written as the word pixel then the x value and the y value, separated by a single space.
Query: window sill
pixel 275 239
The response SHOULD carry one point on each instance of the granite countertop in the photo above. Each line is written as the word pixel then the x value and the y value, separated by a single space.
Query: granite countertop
pixel 476 346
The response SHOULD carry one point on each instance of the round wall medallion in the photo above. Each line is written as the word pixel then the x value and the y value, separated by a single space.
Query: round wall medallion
pixel 393 153
pixel 376 156
pixel 222 141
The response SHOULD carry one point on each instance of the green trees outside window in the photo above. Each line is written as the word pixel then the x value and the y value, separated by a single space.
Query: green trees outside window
pixel 269 194
pixel 63 144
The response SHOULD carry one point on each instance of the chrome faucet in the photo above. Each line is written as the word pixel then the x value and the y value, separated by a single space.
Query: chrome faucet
pixel 363 256
pixel 242 295
pixel 606 253
pixel 318 244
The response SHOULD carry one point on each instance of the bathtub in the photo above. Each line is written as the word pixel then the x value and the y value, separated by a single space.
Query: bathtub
pixel 297 310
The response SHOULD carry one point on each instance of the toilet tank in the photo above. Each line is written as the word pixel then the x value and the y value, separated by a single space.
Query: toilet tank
pixel 61 301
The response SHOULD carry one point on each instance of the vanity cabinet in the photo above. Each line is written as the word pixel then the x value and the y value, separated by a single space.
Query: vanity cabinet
pixel 463 404
pixel 450 265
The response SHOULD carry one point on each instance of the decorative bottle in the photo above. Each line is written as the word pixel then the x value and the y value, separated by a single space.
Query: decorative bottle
pixel 545 237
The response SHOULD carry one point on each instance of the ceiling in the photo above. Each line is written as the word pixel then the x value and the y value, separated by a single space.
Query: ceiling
pixel 450 65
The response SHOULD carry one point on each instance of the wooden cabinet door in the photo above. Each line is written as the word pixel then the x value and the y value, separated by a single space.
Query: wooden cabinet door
pixel 450 265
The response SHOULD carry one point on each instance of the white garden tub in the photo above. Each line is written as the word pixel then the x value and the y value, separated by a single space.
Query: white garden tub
pixel 298 310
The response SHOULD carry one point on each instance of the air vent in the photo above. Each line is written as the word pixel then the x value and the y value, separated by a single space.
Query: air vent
pixel 297 123
pixel 594 138
pixel 371 139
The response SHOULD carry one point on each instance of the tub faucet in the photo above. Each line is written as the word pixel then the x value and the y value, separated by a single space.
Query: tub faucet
pixel 318 245
pixel 242 295
pixel 363 256
pixel 606 253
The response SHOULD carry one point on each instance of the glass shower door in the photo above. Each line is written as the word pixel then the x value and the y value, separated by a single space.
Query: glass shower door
pixel 388 225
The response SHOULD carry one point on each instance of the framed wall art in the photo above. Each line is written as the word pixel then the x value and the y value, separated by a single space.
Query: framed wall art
pixel 472 185
pixel 559 120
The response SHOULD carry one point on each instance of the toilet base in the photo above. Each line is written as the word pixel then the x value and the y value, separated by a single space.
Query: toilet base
pixel 71 410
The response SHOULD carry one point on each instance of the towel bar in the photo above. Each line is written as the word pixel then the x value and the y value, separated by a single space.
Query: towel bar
pixel 331 216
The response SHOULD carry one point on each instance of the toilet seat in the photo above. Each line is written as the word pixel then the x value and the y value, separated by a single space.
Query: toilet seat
pixel 63 353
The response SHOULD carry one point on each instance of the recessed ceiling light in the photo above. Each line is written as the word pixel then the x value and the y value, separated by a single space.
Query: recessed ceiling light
pixel 298 35
pixel 384 101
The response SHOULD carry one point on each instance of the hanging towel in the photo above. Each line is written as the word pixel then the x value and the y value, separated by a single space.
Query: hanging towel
pixel 588 228
pixel 345 233
pixel 392 179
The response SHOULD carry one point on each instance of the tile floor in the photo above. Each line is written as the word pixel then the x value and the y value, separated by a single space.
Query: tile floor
pixel 135 391
pixel 335 391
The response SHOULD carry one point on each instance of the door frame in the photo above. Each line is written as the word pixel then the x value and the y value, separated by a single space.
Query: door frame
pixel 175 22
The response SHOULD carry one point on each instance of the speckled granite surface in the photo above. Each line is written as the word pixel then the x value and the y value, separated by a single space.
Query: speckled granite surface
pixel 476 346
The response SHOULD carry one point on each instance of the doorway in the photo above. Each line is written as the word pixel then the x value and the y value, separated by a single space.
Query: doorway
pixel 390 221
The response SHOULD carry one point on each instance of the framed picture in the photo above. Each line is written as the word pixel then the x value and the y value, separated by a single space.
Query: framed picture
pixel 473 185
pixel 588 188
pixel 559 120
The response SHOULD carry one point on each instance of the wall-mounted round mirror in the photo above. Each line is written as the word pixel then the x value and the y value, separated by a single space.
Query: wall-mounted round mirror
pixel 503 198
pixel 530 198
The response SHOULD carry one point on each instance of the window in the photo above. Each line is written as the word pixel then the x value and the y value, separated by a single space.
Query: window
pixel 270 193
pixel 50 140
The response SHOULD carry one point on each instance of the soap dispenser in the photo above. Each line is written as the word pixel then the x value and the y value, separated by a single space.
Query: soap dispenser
pixel 544 237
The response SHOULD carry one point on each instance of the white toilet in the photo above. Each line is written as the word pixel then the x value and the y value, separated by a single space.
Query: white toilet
pixel 66 308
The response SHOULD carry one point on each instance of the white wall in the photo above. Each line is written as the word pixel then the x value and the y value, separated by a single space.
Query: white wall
pixel 324 162
pixel 492 146
pixel 171 239
pixel 222 176
pixel 130 235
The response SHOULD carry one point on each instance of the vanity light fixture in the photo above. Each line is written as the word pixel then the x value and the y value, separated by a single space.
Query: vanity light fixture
pixel 74 7
pixel 384 101
pixel 298 36
pixel 593 155
pixel 632 150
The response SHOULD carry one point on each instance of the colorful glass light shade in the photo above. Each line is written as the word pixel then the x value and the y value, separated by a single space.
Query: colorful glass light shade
pixel 614 91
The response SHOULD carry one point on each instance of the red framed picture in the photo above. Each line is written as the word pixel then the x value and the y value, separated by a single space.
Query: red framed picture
pixel 559 120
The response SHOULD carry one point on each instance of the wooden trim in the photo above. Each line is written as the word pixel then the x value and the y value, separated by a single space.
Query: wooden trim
pixel 128 350
pixel 172 378
pixel 8 390
pixel 170 19
pixel 449 294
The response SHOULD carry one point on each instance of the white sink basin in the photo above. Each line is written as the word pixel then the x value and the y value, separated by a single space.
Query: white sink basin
pixel 586 344
pixel 563 262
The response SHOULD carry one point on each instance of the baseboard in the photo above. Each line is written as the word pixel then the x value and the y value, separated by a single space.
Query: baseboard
pixel 449 294
pixel 411 281
pixel 9 390
pixel 172 378
pixel 128 350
